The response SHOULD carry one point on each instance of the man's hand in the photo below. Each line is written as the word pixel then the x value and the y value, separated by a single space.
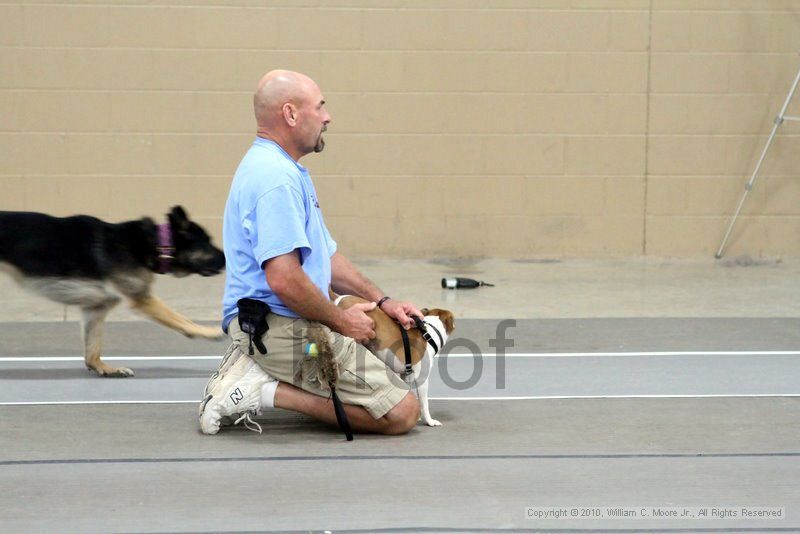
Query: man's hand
pixel 401 311
pixel 355 323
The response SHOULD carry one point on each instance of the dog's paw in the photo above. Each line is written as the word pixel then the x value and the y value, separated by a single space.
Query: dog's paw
pixel 433 422
pixel 114 372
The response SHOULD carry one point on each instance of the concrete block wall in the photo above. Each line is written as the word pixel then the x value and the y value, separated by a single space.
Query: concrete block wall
pixel 510 128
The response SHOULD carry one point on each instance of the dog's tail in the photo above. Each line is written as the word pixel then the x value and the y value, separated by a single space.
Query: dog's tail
pixel 328 371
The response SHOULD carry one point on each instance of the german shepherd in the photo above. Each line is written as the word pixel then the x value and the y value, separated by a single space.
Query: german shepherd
pixel 83 261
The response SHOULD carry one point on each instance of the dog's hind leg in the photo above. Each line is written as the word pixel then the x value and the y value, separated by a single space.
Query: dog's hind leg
pixel 156 309
pixel 93 318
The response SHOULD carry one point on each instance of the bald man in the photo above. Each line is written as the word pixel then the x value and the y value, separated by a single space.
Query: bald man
pixel 279 251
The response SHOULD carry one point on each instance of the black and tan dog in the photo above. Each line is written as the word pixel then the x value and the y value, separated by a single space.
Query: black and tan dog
pixel 85 262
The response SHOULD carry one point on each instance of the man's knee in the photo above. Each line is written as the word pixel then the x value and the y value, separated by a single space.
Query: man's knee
pixel 404 416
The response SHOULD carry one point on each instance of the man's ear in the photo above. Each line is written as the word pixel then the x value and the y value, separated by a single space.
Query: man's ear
pixel 290 114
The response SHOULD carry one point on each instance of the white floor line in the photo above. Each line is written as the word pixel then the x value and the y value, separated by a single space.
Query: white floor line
pixel 542 397
pixel 22 359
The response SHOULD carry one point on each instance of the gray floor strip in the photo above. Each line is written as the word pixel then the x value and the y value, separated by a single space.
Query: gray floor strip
pixel 461 457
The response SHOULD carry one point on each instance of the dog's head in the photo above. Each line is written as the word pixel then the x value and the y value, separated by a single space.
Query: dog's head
pixel 446 316
pixel 194 253
pixel 443 322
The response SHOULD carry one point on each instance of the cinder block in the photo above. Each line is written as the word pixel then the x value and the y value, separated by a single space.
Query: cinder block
pixel 607 73
pixel 12 193
pixel 108 68
pixel 12 25
pixel 611 155
pixel 720 195
pixel 563 195
pixel 689 73
pixel 630 31
pixel 405 29
pixel 762 73
pixel 666 195
pixel 41 68
pixel 10 59
pixel 211 194
pixel 319 29
pixel 483 195
pixel 781 197
pixel 10 104
pixel 732 31
pixel 86 111
pixel 625 196
pixel 524 155
pixel 529 72
pixel 190 70
pixel 214 112
pixel 233 27
pixel 38 161
pixel 675 235
pixel 149 26
pixel 722 5
pixel 698 155
pixel 152 196
pixel 671 32
pixel 570 31
pixel 66 26
pixel 710 114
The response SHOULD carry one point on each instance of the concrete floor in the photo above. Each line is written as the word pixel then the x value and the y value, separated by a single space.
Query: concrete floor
pixel 632 383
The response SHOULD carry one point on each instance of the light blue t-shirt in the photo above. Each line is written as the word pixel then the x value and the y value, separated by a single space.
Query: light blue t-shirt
pixel 272 209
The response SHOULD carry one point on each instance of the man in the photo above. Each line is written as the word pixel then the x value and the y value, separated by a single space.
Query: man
pixel 279 251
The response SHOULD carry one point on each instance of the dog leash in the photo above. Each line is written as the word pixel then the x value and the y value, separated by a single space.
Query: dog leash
pixel 341 415
pixel 312 350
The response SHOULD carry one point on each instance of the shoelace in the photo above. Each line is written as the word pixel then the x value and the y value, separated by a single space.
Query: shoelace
pixel 247 422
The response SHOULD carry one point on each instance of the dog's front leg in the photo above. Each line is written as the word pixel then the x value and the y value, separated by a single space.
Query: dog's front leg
pixel 422 392
pixel 93 319
pixel 156 309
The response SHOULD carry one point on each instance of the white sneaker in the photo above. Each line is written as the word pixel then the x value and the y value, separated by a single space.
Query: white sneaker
pixel 235 391
pixel 227 361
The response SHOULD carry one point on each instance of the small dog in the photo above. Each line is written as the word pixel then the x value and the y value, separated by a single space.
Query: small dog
pixel 388 344
pixel 83 261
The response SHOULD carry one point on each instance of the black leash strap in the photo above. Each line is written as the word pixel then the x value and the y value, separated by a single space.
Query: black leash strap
pixel 407 349
pixel 341 415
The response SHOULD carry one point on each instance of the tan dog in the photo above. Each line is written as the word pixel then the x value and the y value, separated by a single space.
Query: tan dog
pixel 388 344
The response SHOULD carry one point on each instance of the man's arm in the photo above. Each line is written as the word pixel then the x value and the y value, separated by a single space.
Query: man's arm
pixel 346 279
pixel 287 279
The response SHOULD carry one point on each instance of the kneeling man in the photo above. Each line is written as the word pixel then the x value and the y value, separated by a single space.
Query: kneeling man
pixel 279 251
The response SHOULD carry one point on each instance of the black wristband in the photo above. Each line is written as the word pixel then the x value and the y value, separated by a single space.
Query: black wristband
pixel 380 302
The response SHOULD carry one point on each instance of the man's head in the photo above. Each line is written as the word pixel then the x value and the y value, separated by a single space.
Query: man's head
pixel 290 110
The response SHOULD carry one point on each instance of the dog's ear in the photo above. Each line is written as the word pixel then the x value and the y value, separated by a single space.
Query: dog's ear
pixel 447 318
pixel 178 218
pixel 425 311
pixel 449 321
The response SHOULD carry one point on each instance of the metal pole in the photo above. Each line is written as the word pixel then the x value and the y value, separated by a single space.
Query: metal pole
pixel 749 185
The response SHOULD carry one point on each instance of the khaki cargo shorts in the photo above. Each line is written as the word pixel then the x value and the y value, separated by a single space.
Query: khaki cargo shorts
pixel 364 380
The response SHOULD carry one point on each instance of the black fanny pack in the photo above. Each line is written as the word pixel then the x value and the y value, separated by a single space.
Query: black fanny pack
pixel 253 321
